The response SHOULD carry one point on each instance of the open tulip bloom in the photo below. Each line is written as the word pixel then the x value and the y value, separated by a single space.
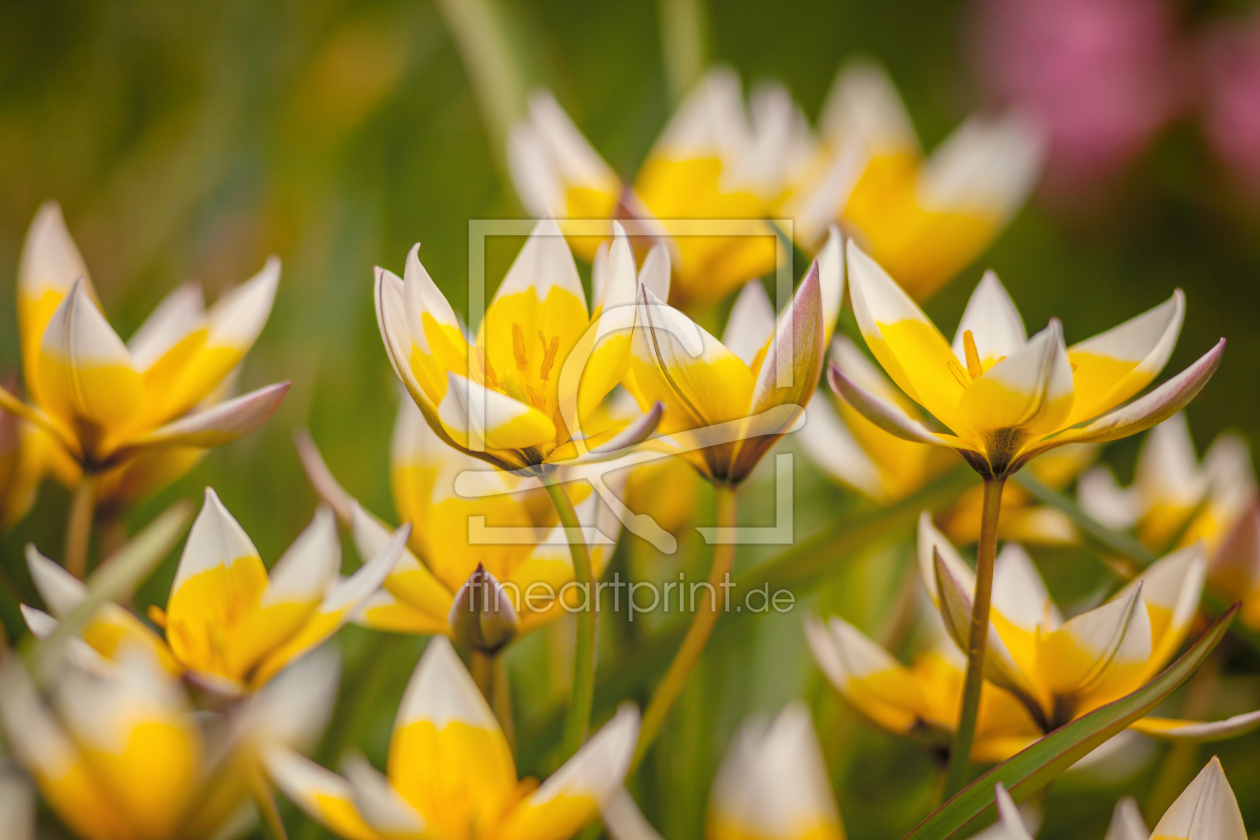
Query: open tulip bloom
pixel 230 624
pixel 716 160
pixel 925 218
pixel 1006 398
pixel 1206 810
pixel 772 785
pixel 1040 670
pixel 120 755
pixel 450 773
pixel 140 413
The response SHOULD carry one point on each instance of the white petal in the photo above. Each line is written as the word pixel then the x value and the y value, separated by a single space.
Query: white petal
pixel 831 277
pixel 1101 496
pixel 305 569
pixel 571 154
pixel 179 313
pixel 545 262
pixel 986 166
pixel 1167 469
pixel 931 541
pixel 863 104
pixel 994 322
pixel 832 447
pixel 656 270
pixel 1039 372
pixel 381 805
pixel 1127 822
pixel 294 708
pixel 533 171
pixel 215 539
pixel 599 768
pixel 1206 810
pixel 79 334
pixel 62 592
pixel 1019 593
pixel 884 413
pixel 1009 817
pixel 1147 339
pixel 441 691
pixel 238 317
pixel 751 322
pixel 49 258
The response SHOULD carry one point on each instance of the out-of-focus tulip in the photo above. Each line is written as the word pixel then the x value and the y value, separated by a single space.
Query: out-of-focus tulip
pixel 451 774
pixel 119 755
pixel 924 217
pixel 772 786
pixel 1006 398
pixel 444 551
pixel 716 159
pixel 138 414
pixel 1206 810
pixel 521 395
pixel 1040 670
pixel 234 625
pixel 728 402
pixel 1230 59
pixel 1176 498
pixel 1101 76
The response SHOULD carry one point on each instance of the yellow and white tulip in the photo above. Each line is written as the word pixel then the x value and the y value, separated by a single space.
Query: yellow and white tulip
pixel 716 160
pixel 520 396
pixel 1041 671
pixel 233 625
pixel 924 218
pixel 119 754
pixel 727 402
pixel 1006 398
pixel 450 772
pixel 140 413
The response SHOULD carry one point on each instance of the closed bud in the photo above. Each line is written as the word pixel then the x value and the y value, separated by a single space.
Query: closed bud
pixel 482 617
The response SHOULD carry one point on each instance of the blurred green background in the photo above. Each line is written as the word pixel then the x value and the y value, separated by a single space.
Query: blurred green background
pixel 193 139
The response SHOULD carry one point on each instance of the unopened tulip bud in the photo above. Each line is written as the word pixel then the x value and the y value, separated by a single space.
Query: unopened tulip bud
pixel 482 617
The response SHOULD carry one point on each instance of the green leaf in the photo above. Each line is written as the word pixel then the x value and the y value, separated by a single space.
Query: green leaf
pixel 117 577
pixel 1028 772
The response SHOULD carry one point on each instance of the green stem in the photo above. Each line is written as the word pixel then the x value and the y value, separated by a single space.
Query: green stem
pixel 579 717
pixel 502 701
pixel 960 754
pixel 79 528
pixel 702 624
pixel 684 37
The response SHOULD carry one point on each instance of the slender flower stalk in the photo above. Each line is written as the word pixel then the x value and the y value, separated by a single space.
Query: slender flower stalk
pixel 579 717
pixel 698 633
pixel 79 527
pixel 960 754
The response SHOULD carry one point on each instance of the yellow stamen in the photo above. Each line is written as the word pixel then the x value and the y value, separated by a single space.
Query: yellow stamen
pixel 157 615
pixel 973 358
pixel 491 379
pixel 518 348
pixel 549 354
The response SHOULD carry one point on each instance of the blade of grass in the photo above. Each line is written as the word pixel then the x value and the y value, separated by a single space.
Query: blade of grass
pixel 1031 770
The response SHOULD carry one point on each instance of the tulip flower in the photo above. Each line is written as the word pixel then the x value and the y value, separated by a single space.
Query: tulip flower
pixel 715 160
pixel 132 413
pixel 860 455
pixel 120 755
pixel 234 625
pixel 1005 399
pixel 1206 810
pixel 1040 670
pixel 772 784
pixel 451 774
pixel 923 218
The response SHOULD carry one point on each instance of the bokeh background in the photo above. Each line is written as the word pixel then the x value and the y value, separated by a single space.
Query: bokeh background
pixel 193 139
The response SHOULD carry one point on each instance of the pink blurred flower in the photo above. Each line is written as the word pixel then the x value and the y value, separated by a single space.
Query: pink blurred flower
pixel 1102 75
pixel 1230 60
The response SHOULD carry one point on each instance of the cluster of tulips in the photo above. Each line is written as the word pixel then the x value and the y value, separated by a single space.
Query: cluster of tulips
pixel 557 417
